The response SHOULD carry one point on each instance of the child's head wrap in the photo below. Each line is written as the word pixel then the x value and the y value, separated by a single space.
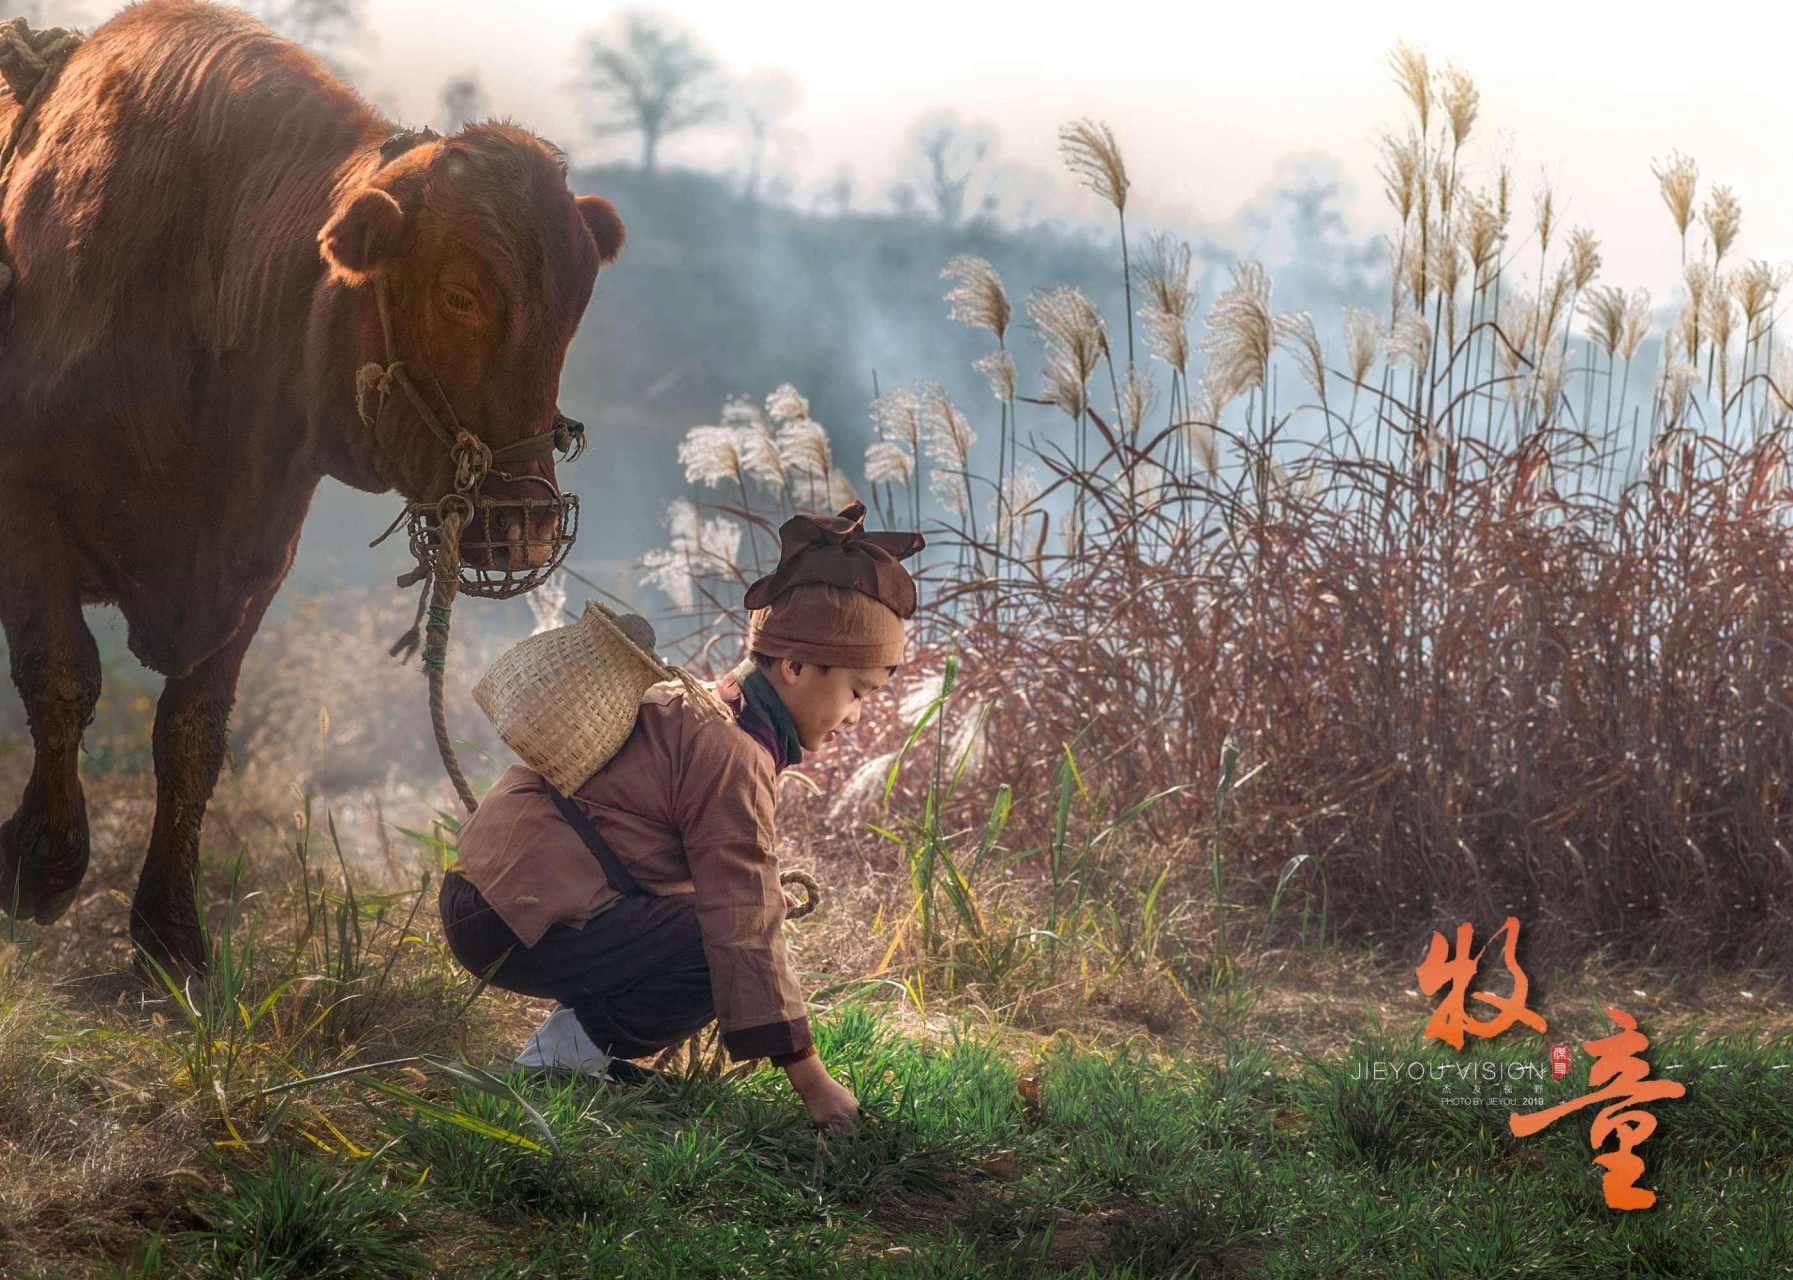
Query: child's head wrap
pixel 838 596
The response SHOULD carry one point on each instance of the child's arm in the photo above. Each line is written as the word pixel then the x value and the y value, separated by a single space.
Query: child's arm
pixel 725 814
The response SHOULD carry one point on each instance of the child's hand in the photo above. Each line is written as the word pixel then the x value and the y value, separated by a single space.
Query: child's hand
pixel 830 1105
pixel 834 1108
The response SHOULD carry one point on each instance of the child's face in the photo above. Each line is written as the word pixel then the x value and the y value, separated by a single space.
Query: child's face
pixel 824 703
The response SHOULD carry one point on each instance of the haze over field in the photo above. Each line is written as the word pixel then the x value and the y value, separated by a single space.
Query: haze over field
pixel 1250 131
pixel 1208 101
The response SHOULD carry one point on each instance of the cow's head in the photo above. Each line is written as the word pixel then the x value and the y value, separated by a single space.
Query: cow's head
pixel 489 261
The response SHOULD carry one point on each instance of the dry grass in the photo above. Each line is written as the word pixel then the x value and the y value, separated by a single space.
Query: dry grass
pixel 1486 659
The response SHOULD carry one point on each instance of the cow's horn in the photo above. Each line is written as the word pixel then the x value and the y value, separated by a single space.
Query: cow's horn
pixel 404 140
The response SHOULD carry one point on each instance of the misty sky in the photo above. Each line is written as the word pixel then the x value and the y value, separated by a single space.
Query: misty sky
pixel 1204 100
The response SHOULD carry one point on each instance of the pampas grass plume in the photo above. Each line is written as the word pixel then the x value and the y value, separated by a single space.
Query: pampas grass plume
pixel 1241 330
pixel 785 405
pixel 977 297
pixel 1677 180
pixel 1722 216
pixel 711 455
pixel 1637 323
pixel 1414 80
pixel 1090 152
pixel 1461 102
pixel 999 368
pixel 887 463
pixel 803 443
pixel 1361 340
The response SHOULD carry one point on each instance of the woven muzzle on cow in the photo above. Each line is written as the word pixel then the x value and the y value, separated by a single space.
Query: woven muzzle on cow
pixel 473 314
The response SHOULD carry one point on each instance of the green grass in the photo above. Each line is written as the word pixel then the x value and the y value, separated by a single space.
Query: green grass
pixel 282 1124
pixel 300 1219
pixel 1119 1165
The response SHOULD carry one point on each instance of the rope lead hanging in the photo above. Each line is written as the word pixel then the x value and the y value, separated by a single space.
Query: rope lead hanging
pixel 443 581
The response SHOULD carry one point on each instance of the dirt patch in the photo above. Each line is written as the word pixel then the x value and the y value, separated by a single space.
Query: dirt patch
pixel 1156 1239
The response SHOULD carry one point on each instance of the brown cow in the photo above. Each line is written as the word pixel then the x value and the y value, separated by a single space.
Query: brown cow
pixel 194 216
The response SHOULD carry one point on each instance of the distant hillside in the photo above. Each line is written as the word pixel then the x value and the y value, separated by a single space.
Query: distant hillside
pixel 714 296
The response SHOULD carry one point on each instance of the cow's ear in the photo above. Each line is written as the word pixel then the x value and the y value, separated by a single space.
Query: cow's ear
pixel 364 235
pixel 605 226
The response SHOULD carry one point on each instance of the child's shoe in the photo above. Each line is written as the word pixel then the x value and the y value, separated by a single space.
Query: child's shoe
pixel 560 1043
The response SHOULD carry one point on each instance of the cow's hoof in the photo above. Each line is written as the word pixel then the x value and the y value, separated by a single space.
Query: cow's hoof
pixel 41 868
pixel 169 935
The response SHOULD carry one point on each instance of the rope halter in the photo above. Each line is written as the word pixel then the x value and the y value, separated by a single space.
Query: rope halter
pixel 467 523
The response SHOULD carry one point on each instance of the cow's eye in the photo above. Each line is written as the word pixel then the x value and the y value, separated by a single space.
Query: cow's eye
pixel 461 302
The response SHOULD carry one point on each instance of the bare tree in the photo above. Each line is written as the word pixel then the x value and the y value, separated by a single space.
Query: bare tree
pixel 462 100
pixel 762 98
pixel 653 79
pixel 1024 190
pixel 838 193
pixel 950 153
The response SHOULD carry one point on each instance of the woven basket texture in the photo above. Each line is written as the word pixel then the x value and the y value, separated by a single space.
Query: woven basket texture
pixel 565 700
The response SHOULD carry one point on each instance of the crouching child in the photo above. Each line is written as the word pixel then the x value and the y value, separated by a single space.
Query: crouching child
pixel 644 896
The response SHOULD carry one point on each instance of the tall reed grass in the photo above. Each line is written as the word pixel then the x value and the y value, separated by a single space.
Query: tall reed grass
pixel 1496 637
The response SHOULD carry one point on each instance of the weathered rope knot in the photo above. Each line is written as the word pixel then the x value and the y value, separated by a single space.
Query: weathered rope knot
pixel 472 460
pixel 25 55
pixel 29 62
pixel 372 378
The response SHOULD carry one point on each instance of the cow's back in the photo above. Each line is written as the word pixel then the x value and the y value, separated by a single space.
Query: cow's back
pixel 166 200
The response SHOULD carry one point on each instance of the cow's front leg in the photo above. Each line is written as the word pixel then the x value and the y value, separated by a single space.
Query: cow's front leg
pixel 192 721
pixel 56 667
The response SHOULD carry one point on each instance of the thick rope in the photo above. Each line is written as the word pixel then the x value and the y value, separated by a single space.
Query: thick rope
pixel 29 63
pixel 444 581
pixel 810 886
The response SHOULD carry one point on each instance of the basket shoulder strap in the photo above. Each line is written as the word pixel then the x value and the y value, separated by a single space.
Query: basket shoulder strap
pixel 614 871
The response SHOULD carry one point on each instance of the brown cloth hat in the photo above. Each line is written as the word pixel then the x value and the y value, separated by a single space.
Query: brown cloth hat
pixel 838 596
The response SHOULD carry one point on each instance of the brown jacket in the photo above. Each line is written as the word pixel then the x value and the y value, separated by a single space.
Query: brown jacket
pixel 687 805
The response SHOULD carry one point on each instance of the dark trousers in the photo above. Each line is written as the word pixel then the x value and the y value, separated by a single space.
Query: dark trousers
pixel 635 975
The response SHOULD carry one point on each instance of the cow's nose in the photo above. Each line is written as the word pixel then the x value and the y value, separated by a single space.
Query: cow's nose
pixel 544 528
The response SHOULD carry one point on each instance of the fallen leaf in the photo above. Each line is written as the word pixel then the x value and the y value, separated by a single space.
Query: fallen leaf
pixel 1004 1166
pixel 1029 1088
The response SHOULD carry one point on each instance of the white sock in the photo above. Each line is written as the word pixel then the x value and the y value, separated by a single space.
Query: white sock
pixel 561 1042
